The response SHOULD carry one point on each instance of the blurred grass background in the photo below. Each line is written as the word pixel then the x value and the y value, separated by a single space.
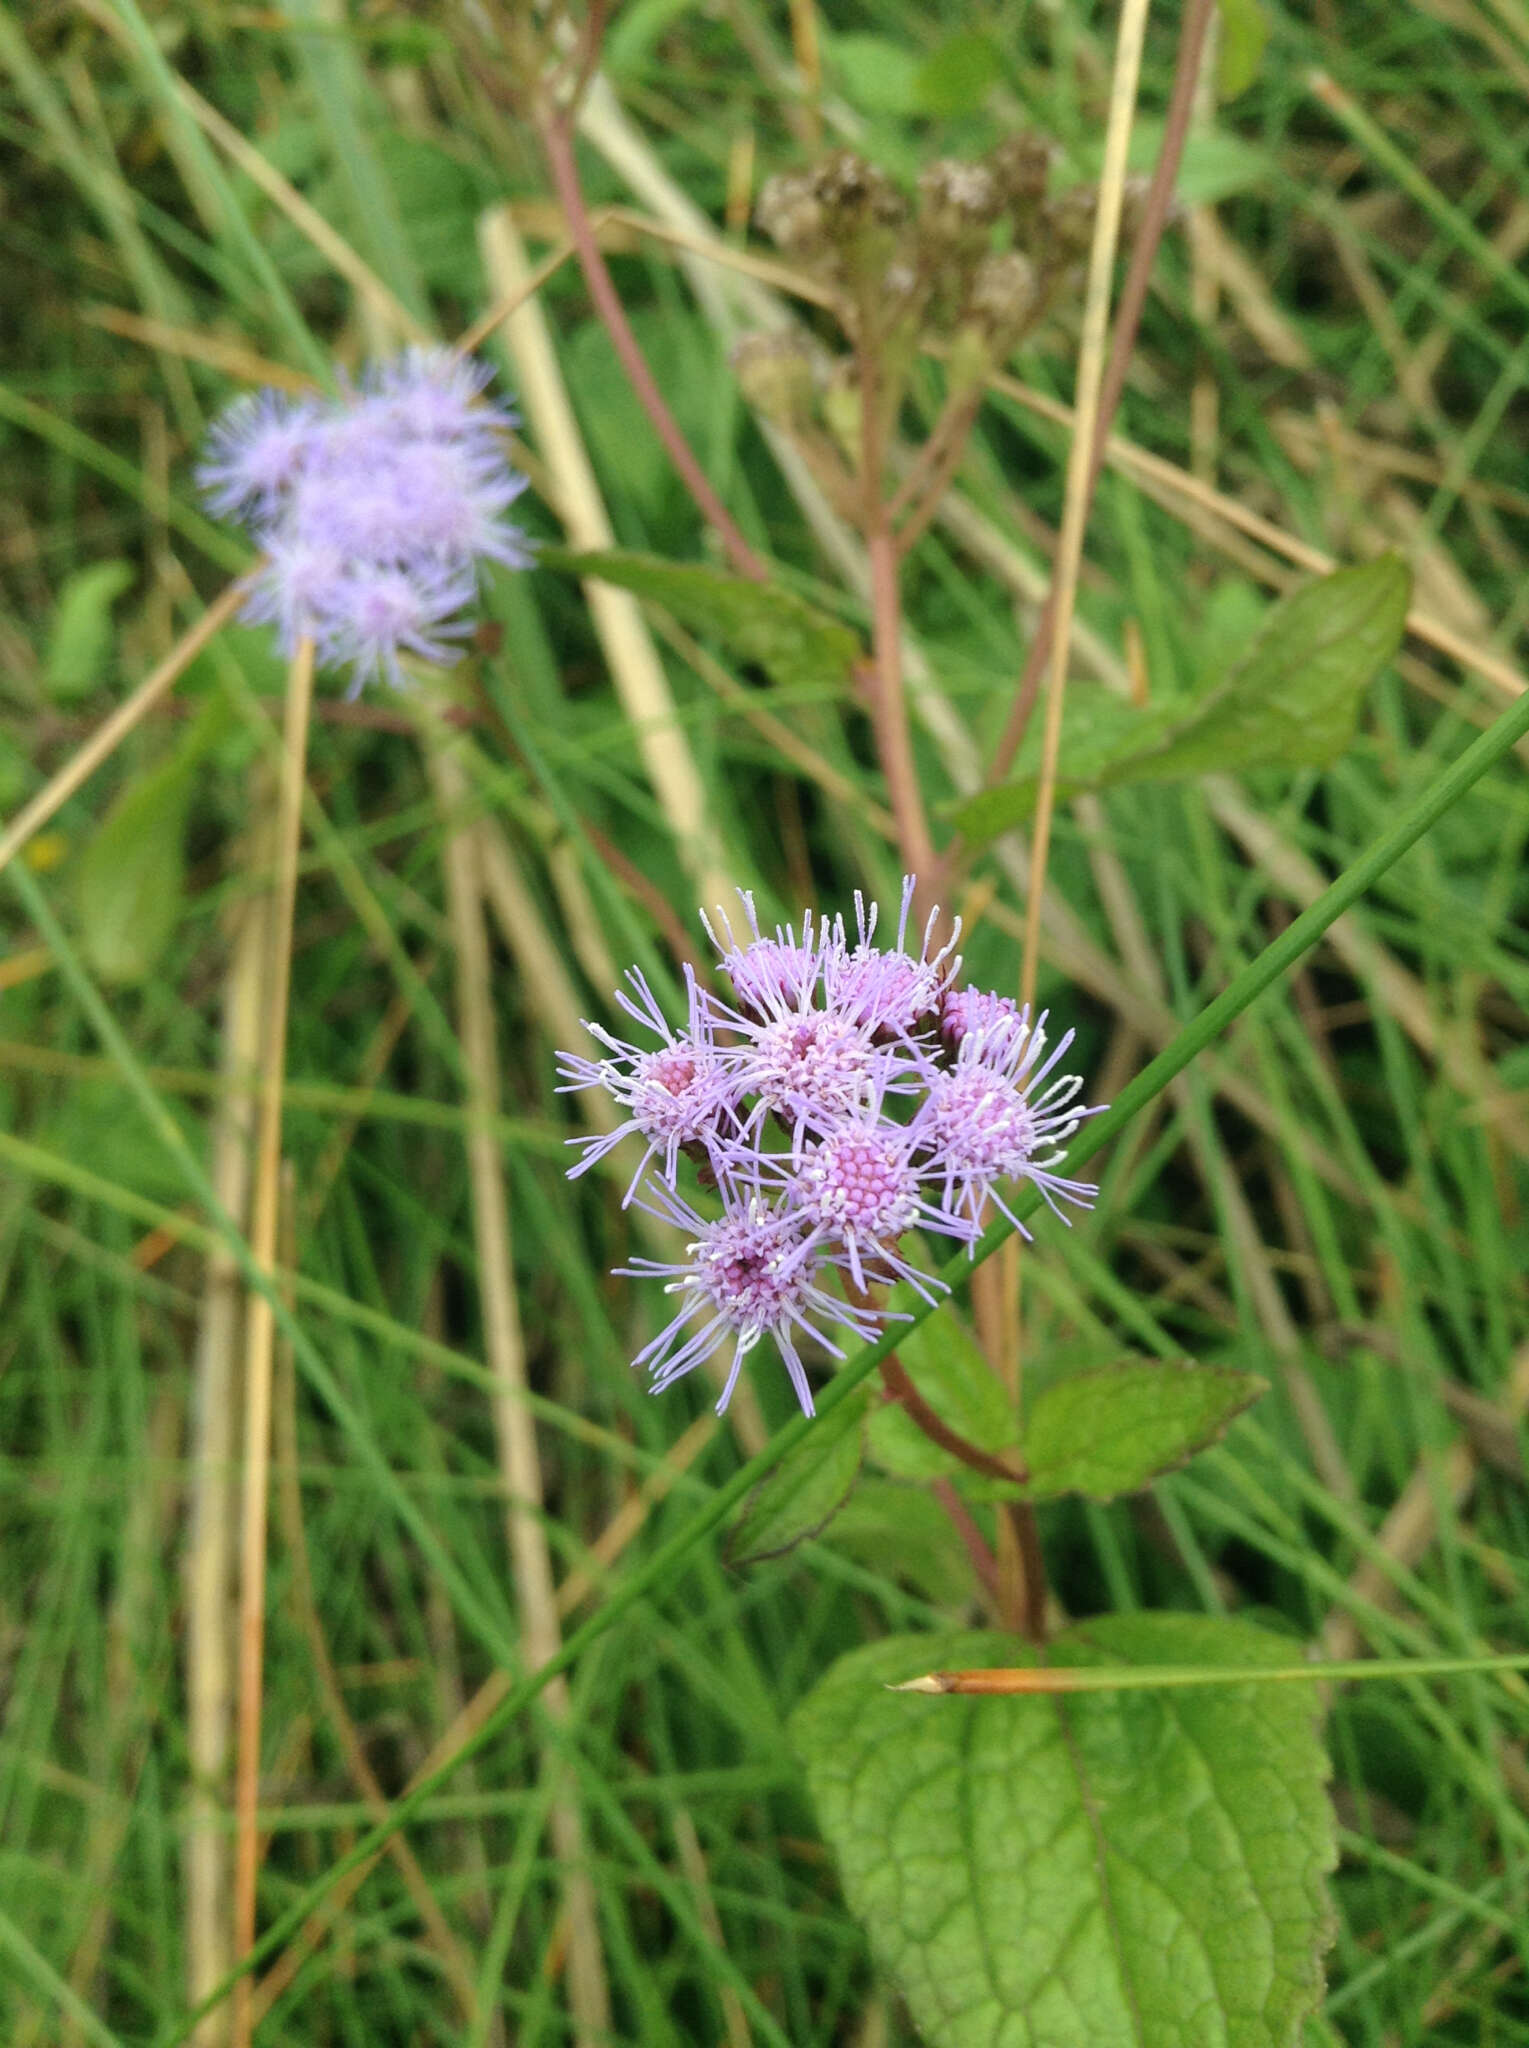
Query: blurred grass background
pixel 1335 1198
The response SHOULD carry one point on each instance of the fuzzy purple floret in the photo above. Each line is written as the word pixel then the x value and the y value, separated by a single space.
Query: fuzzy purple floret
pixel 373 511
pixel 847 1097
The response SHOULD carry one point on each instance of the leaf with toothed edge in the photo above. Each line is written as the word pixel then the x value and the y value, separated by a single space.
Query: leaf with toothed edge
pixel 1115 1430
pixel 1136 1869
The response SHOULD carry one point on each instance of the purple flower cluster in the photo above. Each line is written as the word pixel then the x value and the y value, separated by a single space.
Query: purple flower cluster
pixel 372 510
pixel 848 1095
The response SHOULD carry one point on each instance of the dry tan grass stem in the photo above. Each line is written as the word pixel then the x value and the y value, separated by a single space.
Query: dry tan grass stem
pixel 110 734
pixel 1091 364
pixel 260 1325
pixel 212 1510
pixel 514 1426
pixel 628 647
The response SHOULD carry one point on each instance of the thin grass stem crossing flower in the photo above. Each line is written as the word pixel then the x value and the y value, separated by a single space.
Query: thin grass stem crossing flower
pixel 848 1099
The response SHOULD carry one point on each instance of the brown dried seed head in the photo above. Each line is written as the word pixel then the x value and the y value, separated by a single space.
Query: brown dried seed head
pixel 956 197
pixel 775 374
pixel 1005 296
pixel 1067 225
pixel 854 194
pixel 789 211
pixel 1022 165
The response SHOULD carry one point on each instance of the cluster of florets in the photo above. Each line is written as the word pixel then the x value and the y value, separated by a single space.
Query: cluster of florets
pixel 849 1097
pixel 372 510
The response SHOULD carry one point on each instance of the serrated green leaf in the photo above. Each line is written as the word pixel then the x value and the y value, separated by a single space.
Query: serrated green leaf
pixel 757 622
pixel 805 1491
pixel 1115 1430
pixel 1292 704
pixel 80 636
pixel 944 1363
pixel 1143 1870
pixel 959 75
pixel 1244 35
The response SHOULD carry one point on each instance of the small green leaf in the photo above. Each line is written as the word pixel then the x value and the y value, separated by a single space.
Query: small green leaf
pixel 944 1363
pixel 757 622
pixel 1143 1870
pixel 806 1490
pixel 1292 704
pixel 80 637
pixel 960 74
pixel 874 74
pixel 1115 1430
pixel 130 888
pixel 1244 34
pixel 131 883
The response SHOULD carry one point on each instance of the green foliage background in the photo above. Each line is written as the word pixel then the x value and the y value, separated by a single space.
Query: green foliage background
pixel 1332 1199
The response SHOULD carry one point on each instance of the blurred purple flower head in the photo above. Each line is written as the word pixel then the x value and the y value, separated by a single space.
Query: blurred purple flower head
pixel 373 510
pixel 849 1097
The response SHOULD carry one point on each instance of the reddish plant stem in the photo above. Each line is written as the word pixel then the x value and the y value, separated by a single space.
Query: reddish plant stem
pixel 557 141
pixel 919 494
pixel 1133 298
pixel 889 716
pixel 902 1390
pixel 984 1564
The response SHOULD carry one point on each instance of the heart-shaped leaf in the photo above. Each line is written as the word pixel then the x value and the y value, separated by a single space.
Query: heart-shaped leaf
pixel 1115 1430
pixel 1136 1869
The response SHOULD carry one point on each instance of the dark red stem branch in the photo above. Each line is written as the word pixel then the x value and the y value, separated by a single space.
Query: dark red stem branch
pixel 557 140
pixel 908 1397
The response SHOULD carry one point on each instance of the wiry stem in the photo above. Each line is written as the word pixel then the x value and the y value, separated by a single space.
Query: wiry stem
pixel 1133 297
pixel 260 1328
pixel 557 141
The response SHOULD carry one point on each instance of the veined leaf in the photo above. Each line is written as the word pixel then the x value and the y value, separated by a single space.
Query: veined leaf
pixel 1292 704
pixel 791 639
pixel 806 1490
pixel 1115 1430
pixel 1142 1869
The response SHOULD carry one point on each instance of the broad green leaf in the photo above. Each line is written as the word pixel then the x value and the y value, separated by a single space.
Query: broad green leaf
pixel 960 74
pixel 944 1363
pixel 1106 1870
pixel 902 1532
pixel 757 622
pixel 81 633
pixel 805 1491
pixel 1115 1430
pixel 1292 704
pixel 1244 34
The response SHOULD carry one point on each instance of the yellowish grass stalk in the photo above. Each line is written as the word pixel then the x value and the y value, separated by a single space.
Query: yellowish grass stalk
pixel 1091 360
pixel 81 765
pixel 260 1326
